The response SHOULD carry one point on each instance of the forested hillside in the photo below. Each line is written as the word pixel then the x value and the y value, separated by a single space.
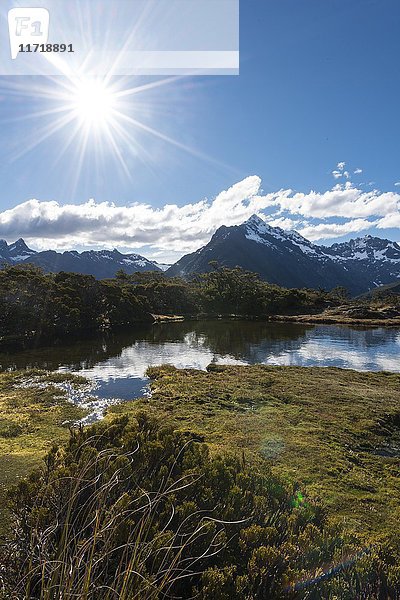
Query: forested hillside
pixel 34 304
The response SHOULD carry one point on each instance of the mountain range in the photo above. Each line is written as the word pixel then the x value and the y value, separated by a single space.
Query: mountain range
pixel 102 264
pixel 288 259
pixel 281 257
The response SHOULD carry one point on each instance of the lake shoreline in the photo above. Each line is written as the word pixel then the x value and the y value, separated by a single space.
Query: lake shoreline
pixel 323 319
pixel 117 361
pixel 11 344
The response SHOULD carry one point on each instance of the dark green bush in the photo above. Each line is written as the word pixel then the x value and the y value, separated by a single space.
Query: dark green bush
pixel 132 509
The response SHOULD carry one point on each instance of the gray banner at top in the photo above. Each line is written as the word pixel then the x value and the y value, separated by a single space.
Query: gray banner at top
pixel 119 37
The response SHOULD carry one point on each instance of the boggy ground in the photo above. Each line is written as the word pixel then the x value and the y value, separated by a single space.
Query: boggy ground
pixel 335 431
pixel 31 419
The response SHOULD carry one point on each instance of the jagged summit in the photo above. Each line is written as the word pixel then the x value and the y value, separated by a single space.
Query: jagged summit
pixel 20 243
pixel 16 252
pixel 255 219
pixel 257 225
pixel 19 250
pixel 366 248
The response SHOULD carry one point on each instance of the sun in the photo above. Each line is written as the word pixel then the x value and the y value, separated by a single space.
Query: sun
pixel 101 118
pixel 94 103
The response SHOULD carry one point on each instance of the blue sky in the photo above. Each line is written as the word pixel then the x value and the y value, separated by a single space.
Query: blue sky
pixel 319 85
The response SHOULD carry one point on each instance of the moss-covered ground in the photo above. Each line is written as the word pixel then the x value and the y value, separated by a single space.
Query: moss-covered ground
pixel 335 431
pixel 31 419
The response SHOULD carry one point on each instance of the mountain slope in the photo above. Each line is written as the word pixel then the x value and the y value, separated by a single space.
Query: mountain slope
pixel 372 258
pixel 15 253
pixel 288 259
pixel 282 257
pixel 383 291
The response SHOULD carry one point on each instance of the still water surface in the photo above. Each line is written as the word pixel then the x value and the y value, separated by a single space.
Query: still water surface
pixel 117 363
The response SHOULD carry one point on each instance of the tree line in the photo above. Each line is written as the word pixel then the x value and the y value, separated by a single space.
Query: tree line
pixel 39 305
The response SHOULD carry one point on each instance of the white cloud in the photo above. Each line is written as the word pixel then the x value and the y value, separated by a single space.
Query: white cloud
pixel 358 171
pixel 390 221
pixel 347 202
pixel 283 223
pixel 340 172
pixel 397 183
pixel 325 231
pixel 172 230
pixel 49 224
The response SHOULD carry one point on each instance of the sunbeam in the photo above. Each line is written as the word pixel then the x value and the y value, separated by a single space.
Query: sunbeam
pixel 90 112
pixel 100 118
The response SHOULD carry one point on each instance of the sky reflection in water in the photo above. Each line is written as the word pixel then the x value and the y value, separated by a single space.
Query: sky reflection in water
pixel 118 363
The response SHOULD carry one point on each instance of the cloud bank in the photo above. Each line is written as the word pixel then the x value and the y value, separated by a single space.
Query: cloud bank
pixel 174 229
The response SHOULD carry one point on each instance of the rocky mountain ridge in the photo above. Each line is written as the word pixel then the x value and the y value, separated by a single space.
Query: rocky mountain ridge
pixel 282 257
pixel 99 263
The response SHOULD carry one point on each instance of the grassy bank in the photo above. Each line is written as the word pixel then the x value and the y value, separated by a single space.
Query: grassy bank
pixel 31 419
pixel 377 313
pixel 327 318
pixel 334 431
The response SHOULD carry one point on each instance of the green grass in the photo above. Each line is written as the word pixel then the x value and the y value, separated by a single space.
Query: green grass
pixel 323 427
pixel 336 432
pixel 31 419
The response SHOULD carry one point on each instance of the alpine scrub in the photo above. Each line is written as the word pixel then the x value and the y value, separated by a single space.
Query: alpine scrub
pixel 133 509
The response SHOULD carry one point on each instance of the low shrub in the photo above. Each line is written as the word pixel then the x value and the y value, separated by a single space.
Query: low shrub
pixel 133 509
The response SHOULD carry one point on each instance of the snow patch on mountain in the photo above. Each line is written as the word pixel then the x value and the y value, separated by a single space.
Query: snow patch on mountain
pixel 162 266
pixel 135 261
pixel 19 258
pixel 257 231
pixel 367 248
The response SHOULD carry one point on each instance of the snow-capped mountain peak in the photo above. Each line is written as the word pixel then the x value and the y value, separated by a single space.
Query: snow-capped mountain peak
pixel 365 248
pixel 287 258
pixel 256 229
pixel 16 252
pixel 99 263
pixel 19 245
pixel 256 222
pixel 261 232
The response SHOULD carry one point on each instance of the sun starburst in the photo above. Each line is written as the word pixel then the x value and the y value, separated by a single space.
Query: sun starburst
pixel 101 113
pixel 97 119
